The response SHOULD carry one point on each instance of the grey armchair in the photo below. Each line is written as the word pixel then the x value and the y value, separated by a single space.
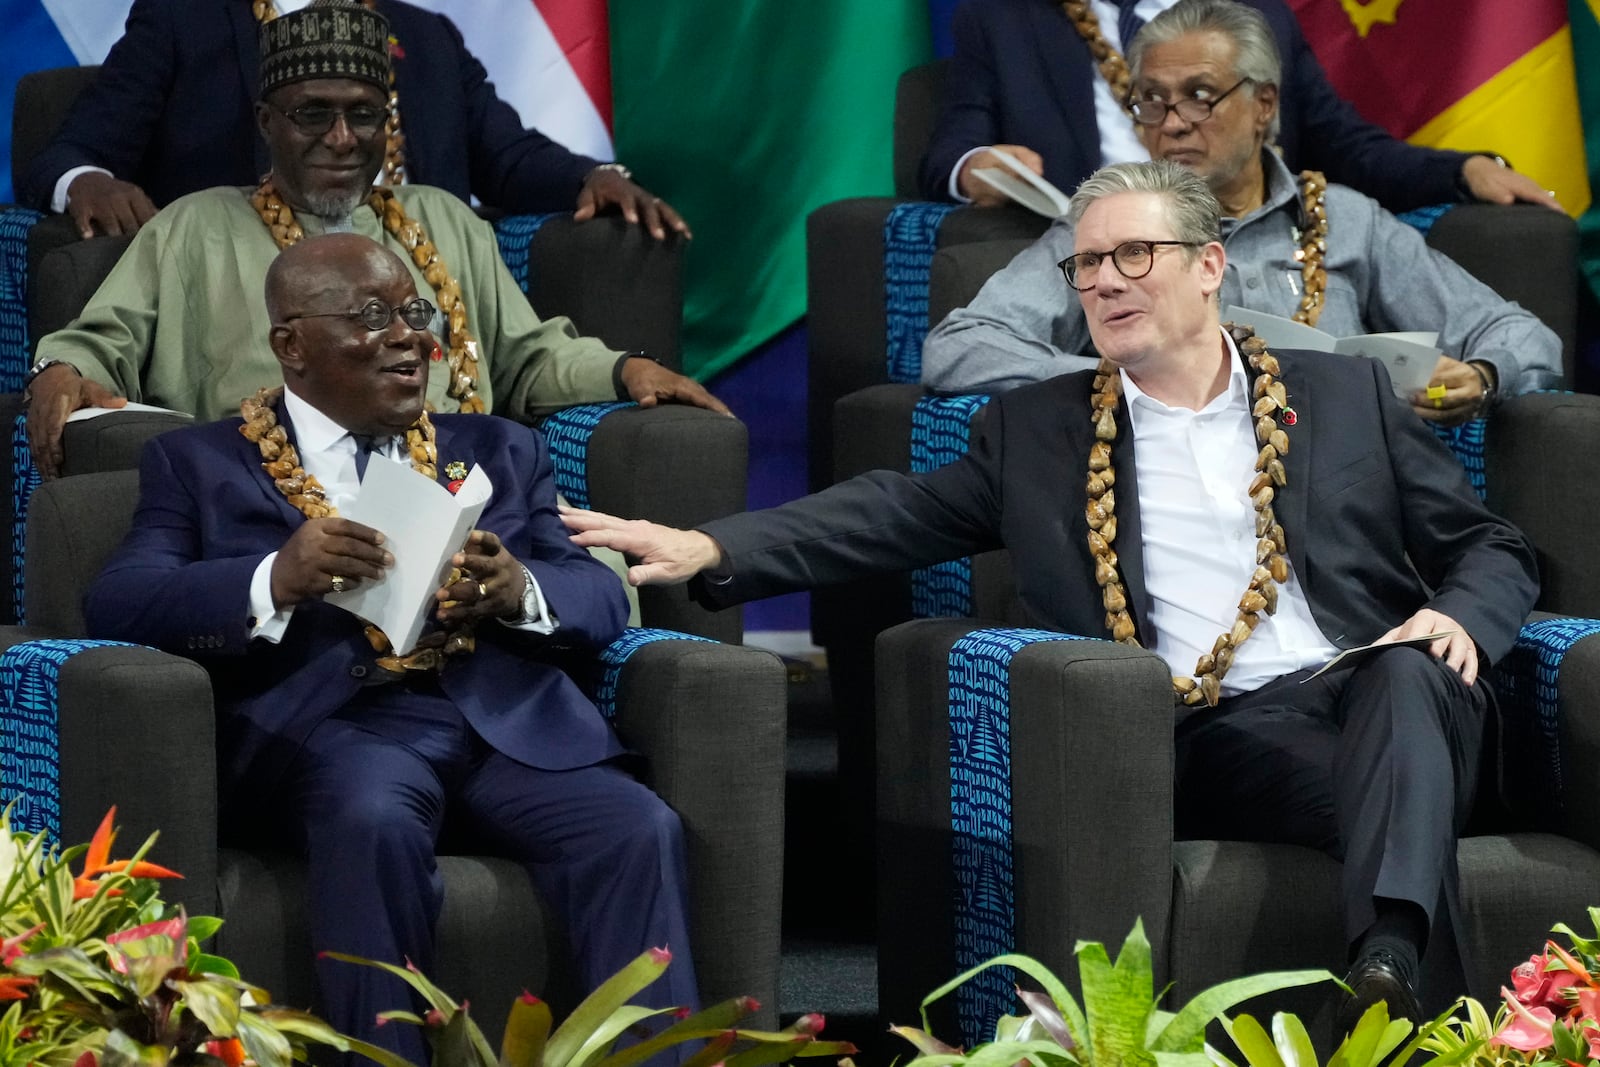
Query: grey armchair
pixel 1085 842
pixel 116 724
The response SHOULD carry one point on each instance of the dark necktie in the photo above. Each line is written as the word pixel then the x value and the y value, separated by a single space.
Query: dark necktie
pixel 1128 23
pixel 366 444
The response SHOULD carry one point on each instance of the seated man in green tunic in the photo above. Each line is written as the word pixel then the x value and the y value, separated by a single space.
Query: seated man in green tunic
pixel 180 323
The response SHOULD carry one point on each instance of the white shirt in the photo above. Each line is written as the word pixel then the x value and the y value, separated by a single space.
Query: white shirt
pixel 328 453
pixel 1199 540
pixel 1118 142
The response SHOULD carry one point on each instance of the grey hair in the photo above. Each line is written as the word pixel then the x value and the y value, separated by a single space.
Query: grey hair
pixel 1256 57
pixel 1192 209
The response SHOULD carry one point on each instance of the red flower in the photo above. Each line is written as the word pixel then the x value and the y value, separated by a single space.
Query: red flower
pixel 97 861
pixel 1289 417
pixel 15 987
pixel 1537 986
pixel 1526 1029
pixel 11 947
pixel 227 1049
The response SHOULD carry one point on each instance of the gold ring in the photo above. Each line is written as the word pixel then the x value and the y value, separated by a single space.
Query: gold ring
pixel 1438 403
pixel 337 581
pixel 1437 392
pixel 483 590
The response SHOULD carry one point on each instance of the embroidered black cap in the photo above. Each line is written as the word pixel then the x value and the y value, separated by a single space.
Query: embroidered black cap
pixel 325 39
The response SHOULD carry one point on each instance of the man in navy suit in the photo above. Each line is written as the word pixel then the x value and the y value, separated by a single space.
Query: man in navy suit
pixel 1023 78
pixel 1297 478
pixel 171 113
pixel 361 758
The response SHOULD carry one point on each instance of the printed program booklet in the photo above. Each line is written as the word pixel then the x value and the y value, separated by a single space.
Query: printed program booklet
pixel 423 525
pixel 1023 185
pixel 1410 357
pixel 1352 657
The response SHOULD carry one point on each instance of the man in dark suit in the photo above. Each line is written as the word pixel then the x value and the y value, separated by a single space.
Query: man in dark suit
pixel 363 758
pixel 171 112
pixel 1024 78
pixel 1287 502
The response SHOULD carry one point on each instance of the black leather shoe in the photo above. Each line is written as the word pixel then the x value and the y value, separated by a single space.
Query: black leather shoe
pixel 1376 976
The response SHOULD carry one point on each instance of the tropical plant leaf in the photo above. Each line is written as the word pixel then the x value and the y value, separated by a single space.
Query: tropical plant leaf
pixel 768 1052
pixel 435 997
pixel 527 1030
pixel 609 996
pixel 203 927
pixel 1043 1011
pixel 1252 1041
pixel 603 1036
pixel 301 1024
pixel 453 1043
pixel 1186 1031
pixel 262 1042
pixel 213 1003
pixel 712 1052
pixel 1294 1044
pixel 1213 1056
pixel 1033 969
pixel 377 1053
pixel 123 1051
pixel 704 1024
pixel 206 963
pixel 924 1042
pixel 1186 1059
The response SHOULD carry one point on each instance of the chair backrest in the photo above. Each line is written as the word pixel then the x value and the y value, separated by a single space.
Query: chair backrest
pixel 1523 252
pixel 74 524
pixel 65 277
pixel 43 99
pixel 959 271
pixel 916 109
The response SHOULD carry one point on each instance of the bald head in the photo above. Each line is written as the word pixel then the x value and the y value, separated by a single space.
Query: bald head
pixel 316 273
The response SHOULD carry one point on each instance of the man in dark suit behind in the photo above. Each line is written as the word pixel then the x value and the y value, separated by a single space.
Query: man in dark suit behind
pixel 1288 502
pixel 364 758
pixel 1024 78
pixel 171 113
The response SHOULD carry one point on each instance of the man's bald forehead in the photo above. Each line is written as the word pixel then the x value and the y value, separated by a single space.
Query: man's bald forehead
pixel 330 263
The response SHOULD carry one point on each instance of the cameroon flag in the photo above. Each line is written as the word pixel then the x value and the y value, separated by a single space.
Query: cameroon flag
pixel 1473 75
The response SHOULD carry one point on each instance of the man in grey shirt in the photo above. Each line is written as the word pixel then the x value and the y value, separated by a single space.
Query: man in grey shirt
pixel 1205 76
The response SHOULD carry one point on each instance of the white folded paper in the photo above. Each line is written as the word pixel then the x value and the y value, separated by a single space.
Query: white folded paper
pixel 423 525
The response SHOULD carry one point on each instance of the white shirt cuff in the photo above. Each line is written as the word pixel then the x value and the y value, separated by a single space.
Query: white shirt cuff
pixel 58 199
pixel 541 622
pixel 955 172
pixel 267 622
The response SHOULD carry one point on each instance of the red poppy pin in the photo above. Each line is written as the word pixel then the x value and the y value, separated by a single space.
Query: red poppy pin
pixel 457 473
pixel 394 48
pixel 1289 417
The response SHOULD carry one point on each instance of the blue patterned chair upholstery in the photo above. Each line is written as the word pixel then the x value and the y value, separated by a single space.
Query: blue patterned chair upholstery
pixel 89 724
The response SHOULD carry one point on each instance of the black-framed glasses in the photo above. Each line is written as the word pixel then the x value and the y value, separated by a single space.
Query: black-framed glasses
pixel 1193 109
pixel 1133 258
pixel 375 315
pixel 315 120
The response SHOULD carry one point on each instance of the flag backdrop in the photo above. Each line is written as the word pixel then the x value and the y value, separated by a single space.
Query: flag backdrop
pixel 1489 75
pixel 744 114
pixel 1585 22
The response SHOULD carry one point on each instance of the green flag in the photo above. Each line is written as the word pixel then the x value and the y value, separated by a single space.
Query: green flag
pixel 1584 16
pixel 745 115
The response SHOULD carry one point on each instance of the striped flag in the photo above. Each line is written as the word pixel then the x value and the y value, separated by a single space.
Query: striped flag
pixel 1473 75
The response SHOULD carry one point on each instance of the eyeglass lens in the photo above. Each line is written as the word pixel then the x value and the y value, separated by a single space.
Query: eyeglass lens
pixel 1132 258
pixel 317 120
pixel 376 315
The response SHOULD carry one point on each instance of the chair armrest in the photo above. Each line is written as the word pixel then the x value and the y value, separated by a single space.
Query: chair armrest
pixel 114 442
pixel 1539 447
pixel 711 721
pixel 613 280
pixel 1578 704
pixel 100 724
pixel 1091 746
pixel 673 464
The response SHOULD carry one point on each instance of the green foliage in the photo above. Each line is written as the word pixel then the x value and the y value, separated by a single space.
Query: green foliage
pixel 99 970
pixel 588 1037
pixel 1118 1024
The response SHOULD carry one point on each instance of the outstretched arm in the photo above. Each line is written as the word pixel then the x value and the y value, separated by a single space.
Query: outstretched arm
pixel 666 556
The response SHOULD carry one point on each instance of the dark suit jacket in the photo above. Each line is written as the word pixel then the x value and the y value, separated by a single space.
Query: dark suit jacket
pixel 1379 516
pixel 172 112
pixel 208 515
pixel 1022 75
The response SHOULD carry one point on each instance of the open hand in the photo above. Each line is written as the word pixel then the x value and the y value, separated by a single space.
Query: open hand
pixel 97 202
pixel 57 392
pixel 666 556
pixel 649 383
pixel 605 188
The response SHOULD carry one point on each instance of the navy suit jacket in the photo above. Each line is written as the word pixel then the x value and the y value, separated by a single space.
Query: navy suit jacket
pixel 208 515
pixel 171 111
pixel 1379 516
pixel 1022 75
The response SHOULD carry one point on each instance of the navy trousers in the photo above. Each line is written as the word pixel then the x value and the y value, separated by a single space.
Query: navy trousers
pixel 1376 766
pixel 367 798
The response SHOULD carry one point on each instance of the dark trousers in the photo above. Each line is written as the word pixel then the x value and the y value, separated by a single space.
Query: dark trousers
pixel 1376 766
pixel 369 795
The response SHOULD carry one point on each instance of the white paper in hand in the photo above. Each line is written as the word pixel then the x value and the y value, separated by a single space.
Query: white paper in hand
pixel 423 525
